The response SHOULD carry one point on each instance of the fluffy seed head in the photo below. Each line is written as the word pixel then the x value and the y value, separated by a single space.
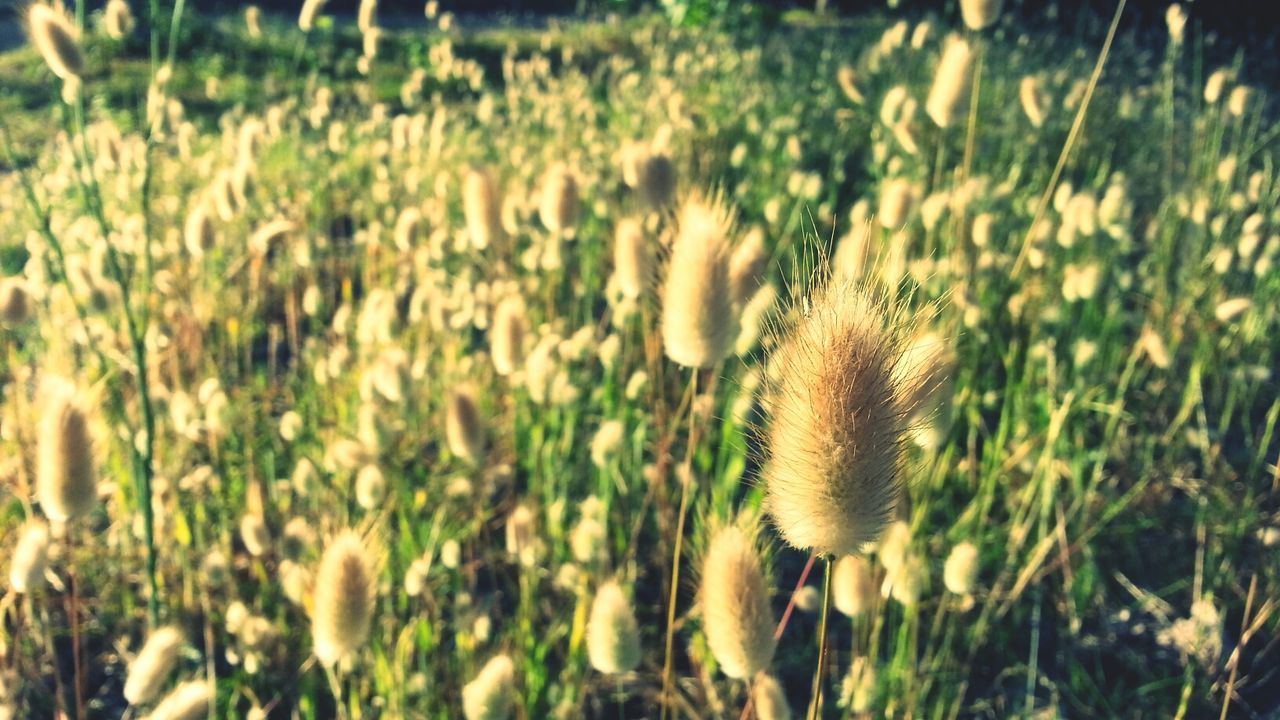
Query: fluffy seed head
pixel 117 19
pixel 67 484
pixel 197 232
pixel 506 336
pixel 1214 86
pixel 613 637
pixel 522 536
pixel 490 695
pixel 907 582
pixel 307 17
pixel 852 589
pixel 54 35
pixel 961 568
pixel 253 21
pixel 269 235
pixel 152 666
pixel 747 267
pixel 838 421
pixel 699 320
pixel 558 208
pixel 656 176
pixel 15 302
pixel 343 599
pixel 949 96
pixel 847 78
pixel 371 487
pixel 407 228
pixel 734 597
pixel 769 699
pixel 979 14
pixel 632 258
pixel 254 534
pixel 188 701
pixel 30 557
pixel 897 201
pixel 464 428
pixel 1032 99
pixel 483 209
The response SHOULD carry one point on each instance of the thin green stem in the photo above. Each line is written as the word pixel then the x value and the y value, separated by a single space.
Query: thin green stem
pixel 685 482
pixel 1043 204
pixel 815 708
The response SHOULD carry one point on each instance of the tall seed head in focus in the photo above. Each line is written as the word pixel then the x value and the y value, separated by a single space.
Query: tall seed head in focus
pixel 837 422
pixel 66 481
pixel 57 39
pixel 699 318
pixel 344 593
pixel 734 598
pixel 613 636
pixel 949 96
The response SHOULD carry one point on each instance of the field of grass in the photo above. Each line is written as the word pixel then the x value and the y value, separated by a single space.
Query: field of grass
pixel 347 367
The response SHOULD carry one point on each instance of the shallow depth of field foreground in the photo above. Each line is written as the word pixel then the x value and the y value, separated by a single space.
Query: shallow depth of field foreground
pixel 677 363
